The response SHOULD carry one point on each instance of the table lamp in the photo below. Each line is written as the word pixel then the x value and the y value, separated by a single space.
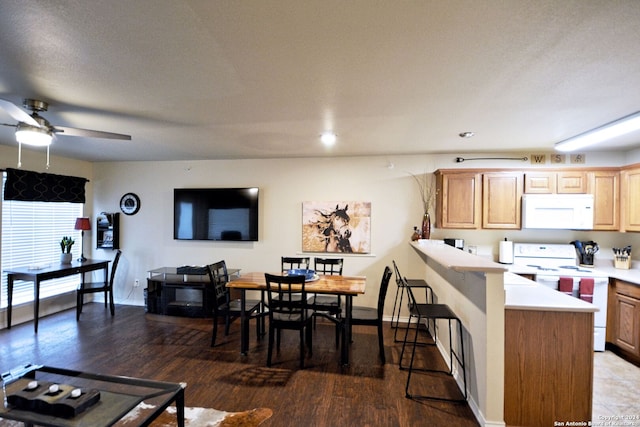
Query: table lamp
pixel 82 224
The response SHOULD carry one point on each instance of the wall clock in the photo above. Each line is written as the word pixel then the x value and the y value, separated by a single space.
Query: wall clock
pixel 130 204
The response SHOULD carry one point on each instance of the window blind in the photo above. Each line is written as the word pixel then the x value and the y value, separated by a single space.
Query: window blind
pixel 31 234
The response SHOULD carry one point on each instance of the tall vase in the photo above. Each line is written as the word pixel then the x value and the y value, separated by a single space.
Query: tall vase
pixel 426 226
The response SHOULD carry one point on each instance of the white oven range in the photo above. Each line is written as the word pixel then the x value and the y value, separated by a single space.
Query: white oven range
pixel 553 261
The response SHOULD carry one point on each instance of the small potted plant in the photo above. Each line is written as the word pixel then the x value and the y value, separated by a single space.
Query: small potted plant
pixel 65 245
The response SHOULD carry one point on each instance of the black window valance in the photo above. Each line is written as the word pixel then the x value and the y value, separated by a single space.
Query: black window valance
pixel 43 187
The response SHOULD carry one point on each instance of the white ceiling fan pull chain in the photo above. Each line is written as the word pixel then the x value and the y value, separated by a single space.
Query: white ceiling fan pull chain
pixel 47 157
pixel 19 154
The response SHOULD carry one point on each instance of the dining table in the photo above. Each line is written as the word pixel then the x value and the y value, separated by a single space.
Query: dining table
pixel 347 286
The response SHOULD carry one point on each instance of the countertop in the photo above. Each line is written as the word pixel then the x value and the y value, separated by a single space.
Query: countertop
pixel 520 293
pixel 456 259
pixel 631 275
pixel 602 267
pixel 524 294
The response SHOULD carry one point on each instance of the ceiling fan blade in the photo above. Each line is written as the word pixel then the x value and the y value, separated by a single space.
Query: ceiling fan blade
pixel 62 130
pixel 18 113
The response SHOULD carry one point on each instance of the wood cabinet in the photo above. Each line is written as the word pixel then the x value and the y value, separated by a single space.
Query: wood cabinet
pixel 501 200
pixel 629 201
pixel 605 187
pixel 472 200
pixel 540 182
pixel 458 202
pixel 548 360
pixel 551 182
pixel 491 198
pixel 623 319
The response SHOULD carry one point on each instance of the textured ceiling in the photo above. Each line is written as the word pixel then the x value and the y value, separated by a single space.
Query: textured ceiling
pixel 204 79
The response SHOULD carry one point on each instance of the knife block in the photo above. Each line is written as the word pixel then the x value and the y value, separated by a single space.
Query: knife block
pixel 622 262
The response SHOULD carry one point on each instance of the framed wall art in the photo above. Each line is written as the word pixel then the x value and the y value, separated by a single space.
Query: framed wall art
pixel 343 227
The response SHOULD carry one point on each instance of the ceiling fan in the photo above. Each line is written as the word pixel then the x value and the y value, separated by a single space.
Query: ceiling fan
pixel 34 121
pixel 33 129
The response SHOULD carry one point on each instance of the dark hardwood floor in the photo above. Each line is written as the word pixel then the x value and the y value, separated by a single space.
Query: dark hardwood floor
pixel 175 349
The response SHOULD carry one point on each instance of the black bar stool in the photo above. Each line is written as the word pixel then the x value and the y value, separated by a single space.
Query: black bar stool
pixel 433 312
pixel 402 283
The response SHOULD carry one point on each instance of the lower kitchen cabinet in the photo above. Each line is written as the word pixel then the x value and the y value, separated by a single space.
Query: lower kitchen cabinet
pixel 548 367
pixel 623 322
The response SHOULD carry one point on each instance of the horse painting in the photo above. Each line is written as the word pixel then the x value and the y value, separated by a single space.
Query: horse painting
pixel 336 227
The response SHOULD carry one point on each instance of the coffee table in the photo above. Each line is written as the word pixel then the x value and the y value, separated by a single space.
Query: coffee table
pixel 118 396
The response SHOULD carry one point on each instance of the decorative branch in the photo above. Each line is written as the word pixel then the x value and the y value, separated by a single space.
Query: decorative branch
pixel 427 188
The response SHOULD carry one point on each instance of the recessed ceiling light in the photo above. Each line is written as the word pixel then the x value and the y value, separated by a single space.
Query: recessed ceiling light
pixel 466 134
pixel 328 138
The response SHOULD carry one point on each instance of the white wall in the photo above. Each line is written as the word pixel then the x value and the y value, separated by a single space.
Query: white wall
pixel 147 242
pixel 147 239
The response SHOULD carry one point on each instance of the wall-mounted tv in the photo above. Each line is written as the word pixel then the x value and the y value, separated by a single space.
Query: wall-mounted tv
pixel 215 214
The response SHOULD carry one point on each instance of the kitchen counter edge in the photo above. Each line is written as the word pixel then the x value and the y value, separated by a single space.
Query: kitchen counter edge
pixel 456 259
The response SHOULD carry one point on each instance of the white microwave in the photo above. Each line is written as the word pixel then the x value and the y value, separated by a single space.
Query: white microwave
pixel 558 211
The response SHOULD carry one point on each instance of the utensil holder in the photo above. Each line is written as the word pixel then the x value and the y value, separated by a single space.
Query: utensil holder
pixel 622 262
pixel 586 260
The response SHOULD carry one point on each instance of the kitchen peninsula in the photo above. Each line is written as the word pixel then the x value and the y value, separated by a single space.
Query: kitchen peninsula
pixel 530 354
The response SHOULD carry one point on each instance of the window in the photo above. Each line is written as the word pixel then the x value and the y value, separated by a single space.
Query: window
pixel 31 234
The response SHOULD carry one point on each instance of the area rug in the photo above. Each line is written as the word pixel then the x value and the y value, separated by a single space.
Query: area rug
pixel 200 417
pixel 193 417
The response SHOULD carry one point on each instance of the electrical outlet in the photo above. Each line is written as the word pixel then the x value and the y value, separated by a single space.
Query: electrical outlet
pixel 136 283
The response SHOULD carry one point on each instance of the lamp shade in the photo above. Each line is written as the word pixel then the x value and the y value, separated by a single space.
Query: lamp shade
pixel 31 135
pixel 83 224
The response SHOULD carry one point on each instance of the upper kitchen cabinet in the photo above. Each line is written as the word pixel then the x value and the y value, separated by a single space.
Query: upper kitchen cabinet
pixel 560 182
pixel 605 187
pixel 458 199
pixel 630 202
pixel 501 195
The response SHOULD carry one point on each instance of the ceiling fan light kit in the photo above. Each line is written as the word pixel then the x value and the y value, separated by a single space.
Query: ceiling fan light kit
pixel 610 130
pixel 31 135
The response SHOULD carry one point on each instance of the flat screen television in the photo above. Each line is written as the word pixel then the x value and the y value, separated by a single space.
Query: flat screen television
pixel 229 214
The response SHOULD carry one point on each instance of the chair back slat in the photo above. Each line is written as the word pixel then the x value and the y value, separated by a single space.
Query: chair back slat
pixel 219 277
pixel 328 266
pixel 286 295
pixel 290 263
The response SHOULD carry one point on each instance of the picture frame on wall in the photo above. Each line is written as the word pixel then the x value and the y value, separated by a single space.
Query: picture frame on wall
pixel 336 227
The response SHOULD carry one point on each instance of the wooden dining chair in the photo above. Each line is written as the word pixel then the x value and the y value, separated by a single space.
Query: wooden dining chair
pixel 369 316
pixel 288 311
pixel 225 306
pixel 328 306
pixel 290 263
pixel 95 287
